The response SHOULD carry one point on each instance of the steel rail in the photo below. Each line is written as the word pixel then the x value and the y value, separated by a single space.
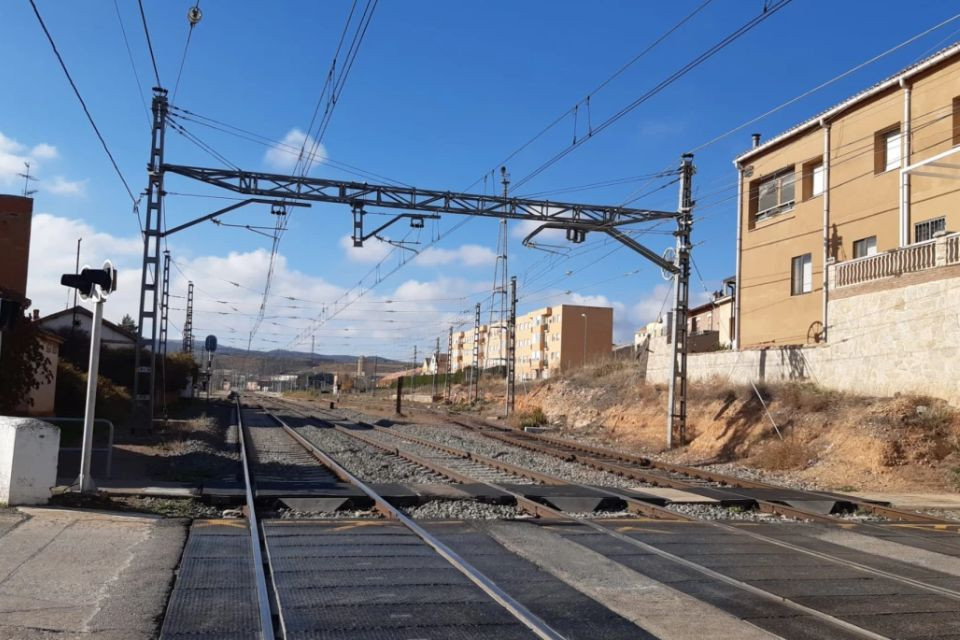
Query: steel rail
pixel 637 506
pixel 716 575
pixel 533 622
pixel 657 479
pixel 531 506
pixel 891 513
pixel 263 598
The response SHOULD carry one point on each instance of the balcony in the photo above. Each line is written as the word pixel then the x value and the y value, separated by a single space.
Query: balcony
pixel 942 251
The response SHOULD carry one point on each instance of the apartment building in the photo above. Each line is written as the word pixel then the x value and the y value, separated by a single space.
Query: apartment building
pixel 548 340
pixel 866 190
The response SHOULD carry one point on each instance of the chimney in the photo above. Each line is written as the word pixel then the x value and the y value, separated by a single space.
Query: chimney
pixel 756 140
pixel 36 314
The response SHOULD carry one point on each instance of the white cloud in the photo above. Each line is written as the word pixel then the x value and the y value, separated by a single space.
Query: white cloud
pixel 656 303
pixel 44 151
pixel 384 322
pixel 63 187
pixel 468 255
pixel 283 157
pixel 53 246
pixel 372 251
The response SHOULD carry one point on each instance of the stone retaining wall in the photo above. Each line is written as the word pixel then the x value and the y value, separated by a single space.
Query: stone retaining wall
pixel 903 338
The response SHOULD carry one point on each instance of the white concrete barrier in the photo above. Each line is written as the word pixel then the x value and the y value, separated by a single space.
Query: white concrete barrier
pixel 28 460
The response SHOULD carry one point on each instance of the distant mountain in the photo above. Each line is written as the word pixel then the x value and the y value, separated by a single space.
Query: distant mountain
pixel 300 356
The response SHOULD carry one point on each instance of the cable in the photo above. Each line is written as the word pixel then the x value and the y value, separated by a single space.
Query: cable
pixel 663 84
pixel 146 32
pixel 586 101
pixel 133 66
pixel 83 104
pixel 183 58
pixel 822 85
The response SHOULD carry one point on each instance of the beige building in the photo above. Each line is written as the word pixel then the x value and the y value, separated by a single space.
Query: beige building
pixel 869 186
pixel 548 340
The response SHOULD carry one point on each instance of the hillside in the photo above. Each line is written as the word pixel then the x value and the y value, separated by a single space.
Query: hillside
pixel 829 439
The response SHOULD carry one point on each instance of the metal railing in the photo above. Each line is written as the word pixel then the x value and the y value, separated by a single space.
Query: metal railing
pixel 108 471
pixel 917 257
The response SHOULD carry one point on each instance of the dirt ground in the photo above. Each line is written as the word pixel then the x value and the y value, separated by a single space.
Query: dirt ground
pixel 793 433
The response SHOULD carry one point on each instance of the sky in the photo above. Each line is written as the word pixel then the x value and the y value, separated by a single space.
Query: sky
pixel 440 94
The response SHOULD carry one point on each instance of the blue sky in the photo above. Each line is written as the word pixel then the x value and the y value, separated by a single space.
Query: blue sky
pixel 440 93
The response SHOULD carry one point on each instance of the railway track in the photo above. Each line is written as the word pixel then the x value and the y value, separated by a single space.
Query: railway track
pixel 607 533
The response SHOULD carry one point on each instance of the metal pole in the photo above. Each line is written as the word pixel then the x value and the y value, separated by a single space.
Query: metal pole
pixel 144 372
pixel 436 368
pixel 512 347
pixel 86 482
pixel 449 368
pixel 475 374
pixel 584 316
pixel 677 401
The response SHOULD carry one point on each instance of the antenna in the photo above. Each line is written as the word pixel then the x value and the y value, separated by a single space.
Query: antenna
pixel 27 191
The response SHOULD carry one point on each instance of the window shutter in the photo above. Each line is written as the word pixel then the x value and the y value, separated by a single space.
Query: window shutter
pixel 893 151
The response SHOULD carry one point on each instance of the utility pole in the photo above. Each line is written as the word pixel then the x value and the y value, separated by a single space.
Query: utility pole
pixel 511 349
pixel 449 369
pixel 144 377
pixel 475 374
pixel 188 323
pixel 164 317
pixel 677 402
pixel 413 370
pixel 436 368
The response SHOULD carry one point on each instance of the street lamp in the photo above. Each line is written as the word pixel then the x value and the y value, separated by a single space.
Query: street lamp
pixel 584 316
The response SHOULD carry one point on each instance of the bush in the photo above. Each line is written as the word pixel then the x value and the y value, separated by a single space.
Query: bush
pixel 113 401
pixel 534 418
pixel 23 365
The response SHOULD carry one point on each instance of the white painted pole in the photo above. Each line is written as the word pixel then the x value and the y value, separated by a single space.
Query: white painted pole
pixel 86 481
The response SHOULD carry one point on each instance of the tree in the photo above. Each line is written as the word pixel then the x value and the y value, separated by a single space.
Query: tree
pixel 23 365
pixel 128 323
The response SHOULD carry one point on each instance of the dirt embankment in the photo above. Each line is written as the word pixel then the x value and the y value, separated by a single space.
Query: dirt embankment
pixel 830 439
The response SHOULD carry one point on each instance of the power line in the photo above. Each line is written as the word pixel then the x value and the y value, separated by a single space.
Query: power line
pixel 146 32
pixel 663 84
pixel 83 104
pixel 192 18
pixel 133 66
pixel 586 100
pixel 823 85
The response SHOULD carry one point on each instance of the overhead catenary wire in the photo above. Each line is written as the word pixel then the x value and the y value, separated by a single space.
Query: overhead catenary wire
pixel 146 33
pixel 86 111
pixel 663 84
pixel 183 58
pixel 136 74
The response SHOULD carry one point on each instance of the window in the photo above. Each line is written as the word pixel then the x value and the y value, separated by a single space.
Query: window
pixel 801 279
pixel 865 247
pixel 886 150
pixel 923 231
pixel 956 121
pixel 813 179
pixel 775 194
pixel 817 180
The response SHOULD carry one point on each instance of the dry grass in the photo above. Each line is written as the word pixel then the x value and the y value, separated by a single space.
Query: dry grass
pixel 790 454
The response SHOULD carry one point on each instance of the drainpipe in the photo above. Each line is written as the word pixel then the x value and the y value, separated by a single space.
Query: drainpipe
pixel 826 220
pixel 904 162
pixel 736 290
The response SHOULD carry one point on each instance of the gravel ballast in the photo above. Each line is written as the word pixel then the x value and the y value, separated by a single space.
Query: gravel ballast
pixel 367 462
pixel 574 472
pixel 463 510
